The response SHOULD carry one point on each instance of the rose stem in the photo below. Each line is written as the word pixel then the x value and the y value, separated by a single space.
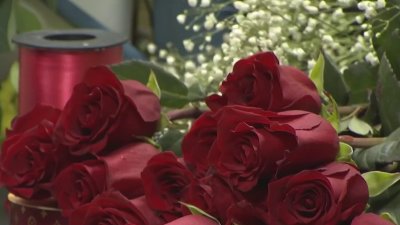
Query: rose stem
pixel 358 142
pixel 348 109
pixel 187 113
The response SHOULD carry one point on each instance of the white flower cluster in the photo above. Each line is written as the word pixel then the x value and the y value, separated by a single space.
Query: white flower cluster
pixel 294 29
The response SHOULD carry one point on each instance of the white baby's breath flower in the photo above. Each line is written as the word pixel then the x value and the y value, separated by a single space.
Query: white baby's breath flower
pixel 241 6
pixel 196 28
pixel 201 58
pixel 170 60
pixel 208 38
pixel 181 18
pixel 151 48
pixel 311 64
pixel 362 5
pixel 163 53
pixel 380 4
pixel 372 59
pixel 323 5
pixel 220 26
pixel 253 40
pixel 189 65
pixel 192 3
pixel 217 58
pixel 359 19
pixel 311 9
pixel 327 38
pixel 210 21
pixel 205 3
pixel 188 45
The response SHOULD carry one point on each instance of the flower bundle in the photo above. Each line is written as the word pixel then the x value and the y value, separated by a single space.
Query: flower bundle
pixel 260 155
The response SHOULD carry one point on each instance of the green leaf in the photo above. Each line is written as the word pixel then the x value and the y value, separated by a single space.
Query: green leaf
pixel 8 96
pixel 379 155
pixel 197 211
pixel 379 181
pixel 34 15
pixel 317 73
pixel 330 111
pixel 376 156
pixel 334 82
pixel 359 127
pixel 387 216
pixel 361 79
pixel 386 35
pixel 153 84
pixel 344 154
pixel 171 141
pixel 387 202
pixel 173 91
pixel 387 94
pixel 6 17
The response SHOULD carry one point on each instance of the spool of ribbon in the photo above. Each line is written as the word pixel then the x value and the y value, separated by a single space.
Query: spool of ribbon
pixel 52 62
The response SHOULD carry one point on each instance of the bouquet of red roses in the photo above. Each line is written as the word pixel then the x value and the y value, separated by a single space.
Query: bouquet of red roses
pixel 262 155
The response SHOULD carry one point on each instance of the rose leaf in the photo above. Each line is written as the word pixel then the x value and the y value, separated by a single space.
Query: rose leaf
pixel 359 127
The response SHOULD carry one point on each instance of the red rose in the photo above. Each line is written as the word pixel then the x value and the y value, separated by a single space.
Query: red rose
pixel 197 142
pixel 253 144
pixel 260 81
pixel 244 213
pixel 81 182
pixel 164 180
pixel 193 220
pixel 29 158
pixel 213 195
pixel 112 208
pixel 328 195
pixel 102 112
pixel 370 219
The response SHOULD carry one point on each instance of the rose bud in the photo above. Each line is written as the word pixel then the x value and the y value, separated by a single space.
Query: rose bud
pixel 165 180
pixel 112 208
pixel 121 171
pixel 370 219
pixel 332 194
pixel 253 145
pixel 197 143
pixel 29 158
pixel 103 112
pixel 193 220
pixel 260 81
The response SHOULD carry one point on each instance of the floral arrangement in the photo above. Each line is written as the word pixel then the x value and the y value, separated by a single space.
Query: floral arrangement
pixel 261 154
pixel 295 30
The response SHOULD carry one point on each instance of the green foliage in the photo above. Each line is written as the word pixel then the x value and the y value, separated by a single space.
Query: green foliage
pixel 334 82
pixel 329 106
pixel 344 154
pixel 317 73
pixel 8 98
pixel 34 14
pixel 329 110
pixel 6 24
pixel 386 27
pixel 387 93
pixel 380 155
pixel 171 141
pixel 173 91
pixel 384 190
pixel 361 79
pixel 197 211
pixel 153 84
pixel 359 127
pixel 379 182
